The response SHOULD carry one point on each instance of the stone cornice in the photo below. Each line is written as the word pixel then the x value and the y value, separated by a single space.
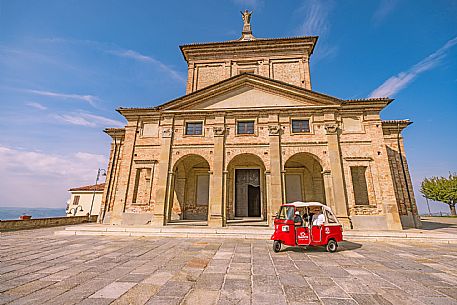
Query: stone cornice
pixel 367 104
pixel 394 126
pixel 320 101
pixel 115 133
pixel 236 48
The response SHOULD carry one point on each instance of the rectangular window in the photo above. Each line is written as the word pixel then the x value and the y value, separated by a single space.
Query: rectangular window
pixel 246 71
pixel 300 126
pixel 194 128
pixel 359 183
pixel 76 200
pixel 245 127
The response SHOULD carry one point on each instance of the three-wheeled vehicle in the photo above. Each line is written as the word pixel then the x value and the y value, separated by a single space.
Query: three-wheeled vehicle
pixel 318 226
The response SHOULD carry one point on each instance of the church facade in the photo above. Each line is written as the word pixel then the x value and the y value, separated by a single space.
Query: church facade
pixel 249 135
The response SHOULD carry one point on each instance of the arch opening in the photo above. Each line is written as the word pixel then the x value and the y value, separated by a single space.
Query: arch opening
pixel 303 179
pixel 246 196
pixel 190 189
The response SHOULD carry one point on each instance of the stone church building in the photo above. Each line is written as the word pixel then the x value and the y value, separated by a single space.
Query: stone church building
pixel 249 135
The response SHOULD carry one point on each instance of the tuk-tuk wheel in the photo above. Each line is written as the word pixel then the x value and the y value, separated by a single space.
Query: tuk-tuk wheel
pixel 277 246
pixel 332 246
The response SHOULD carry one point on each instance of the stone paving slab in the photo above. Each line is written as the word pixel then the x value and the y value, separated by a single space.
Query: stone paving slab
pixel 41 267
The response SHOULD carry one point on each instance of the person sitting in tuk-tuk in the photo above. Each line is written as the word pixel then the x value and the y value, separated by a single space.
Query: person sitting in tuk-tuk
pixel 298 220
pixel 306 219
pixel 318 217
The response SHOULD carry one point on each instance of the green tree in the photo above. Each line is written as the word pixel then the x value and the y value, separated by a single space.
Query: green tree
pixel 441 189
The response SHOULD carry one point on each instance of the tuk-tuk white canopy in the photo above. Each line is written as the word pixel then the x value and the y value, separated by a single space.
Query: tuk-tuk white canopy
pixel 300 204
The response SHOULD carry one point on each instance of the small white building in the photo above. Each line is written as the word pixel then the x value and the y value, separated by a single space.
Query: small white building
pixel 81 200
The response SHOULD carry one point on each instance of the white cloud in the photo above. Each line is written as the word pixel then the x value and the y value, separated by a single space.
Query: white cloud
pixel 88 120
pixel 91 99
pixel 315 15
pixel 398 82
pixel 120 52
pixel 80 165
pixel 385 8
pixel 148 59
pixel 37 105
pixel 316 22
pixel 38 179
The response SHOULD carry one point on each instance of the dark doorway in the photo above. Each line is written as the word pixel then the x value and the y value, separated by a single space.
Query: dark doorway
pixel 247 193
pixel 253 201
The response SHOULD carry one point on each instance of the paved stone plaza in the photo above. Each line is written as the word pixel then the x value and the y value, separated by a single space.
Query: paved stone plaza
pixel 38 267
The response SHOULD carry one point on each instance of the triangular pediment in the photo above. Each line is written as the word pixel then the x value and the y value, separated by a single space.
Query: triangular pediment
pixel 250 91
pixel 249 97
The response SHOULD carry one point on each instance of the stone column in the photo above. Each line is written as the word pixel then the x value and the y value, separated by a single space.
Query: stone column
pixel 159 218
pixel 336 168
pixel 224 198
pixel 276 186
pixel 328 186
pixel 169 197
pixel 216 191
pixel 270 212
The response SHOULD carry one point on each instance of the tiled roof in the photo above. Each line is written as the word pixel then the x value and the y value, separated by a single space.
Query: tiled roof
pixel 89 188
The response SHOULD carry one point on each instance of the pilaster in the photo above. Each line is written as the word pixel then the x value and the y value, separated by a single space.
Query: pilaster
pixel 276 183
pixel 216 198
pixel 337 176
pixel 125 172
pixel 190 77
pixel 328 187
pixel 163 187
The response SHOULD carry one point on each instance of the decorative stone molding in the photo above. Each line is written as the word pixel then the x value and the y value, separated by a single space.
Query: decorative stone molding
pixel 167 132
pixel 358 158
pixel 326 172
pixel 219 131
pixel 331 128
pixel 145 161
pixel 274 130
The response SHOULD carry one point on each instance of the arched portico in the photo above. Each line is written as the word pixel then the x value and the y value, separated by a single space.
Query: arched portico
pixel 190 189
pixel 303 179
pixel 246 187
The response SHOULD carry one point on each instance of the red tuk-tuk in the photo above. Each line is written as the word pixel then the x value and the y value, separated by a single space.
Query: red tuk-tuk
pixel 318 226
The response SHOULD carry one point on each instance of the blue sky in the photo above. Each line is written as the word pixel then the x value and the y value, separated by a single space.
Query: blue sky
pixel 66 65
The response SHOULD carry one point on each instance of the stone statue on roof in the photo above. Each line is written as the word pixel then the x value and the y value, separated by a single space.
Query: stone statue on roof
pixel 246 15
pixel 246 34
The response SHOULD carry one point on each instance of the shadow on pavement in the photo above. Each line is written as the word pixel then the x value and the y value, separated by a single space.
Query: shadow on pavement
pixel 438 223
pixel 342 246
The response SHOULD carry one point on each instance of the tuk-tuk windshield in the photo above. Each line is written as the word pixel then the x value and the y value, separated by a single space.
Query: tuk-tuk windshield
pixel 286 213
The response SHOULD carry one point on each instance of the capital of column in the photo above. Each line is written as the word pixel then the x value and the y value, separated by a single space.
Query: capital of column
pixel 167 132
pixel 274 130
pixel 326 172
pixel 331 128
pixel 219 131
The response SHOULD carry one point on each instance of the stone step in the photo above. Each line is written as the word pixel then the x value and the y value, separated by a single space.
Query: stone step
pixel 250 232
